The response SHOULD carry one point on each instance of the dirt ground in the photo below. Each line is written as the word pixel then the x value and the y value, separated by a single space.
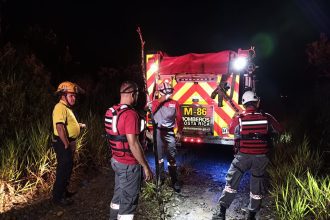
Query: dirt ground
pixel 196 201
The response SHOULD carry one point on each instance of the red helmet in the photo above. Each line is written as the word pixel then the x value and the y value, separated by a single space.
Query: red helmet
pixel 165 88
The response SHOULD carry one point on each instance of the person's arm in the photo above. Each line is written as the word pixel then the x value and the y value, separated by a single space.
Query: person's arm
pixel 136 149
pixel 233 124
pixel 62 134
pixel 274 123
pixel 179 121
pixel 155 103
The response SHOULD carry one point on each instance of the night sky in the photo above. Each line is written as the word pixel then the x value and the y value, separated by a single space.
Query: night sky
pixel 104 33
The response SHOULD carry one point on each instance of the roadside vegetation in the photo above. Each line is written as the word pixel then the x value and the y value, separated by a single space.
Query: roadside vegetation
pixel 27 160
pixel 299 172
pixel 299 184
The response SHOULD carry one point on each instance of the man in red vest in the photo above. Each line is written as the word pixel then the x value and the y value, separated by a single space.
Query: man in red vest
pixel 123 127
pixel 252 129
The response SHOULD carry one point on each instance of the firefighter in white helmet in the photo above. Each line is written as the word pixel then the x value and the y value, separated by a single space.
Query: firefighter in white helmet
pixel 167 115
pixel 251 128
pixel 66 129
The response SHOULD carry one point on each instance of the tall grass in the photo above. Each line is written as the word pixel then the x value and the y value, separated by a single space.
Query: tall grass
pixel 303 198
pixel 289 201
pixel 28 161
pixel 299 190
pixel 96 144
pixel 297 158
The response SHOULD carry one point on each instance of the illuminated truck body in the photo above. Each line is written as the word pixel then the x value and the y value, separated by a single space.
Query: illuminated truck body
pixel 207 88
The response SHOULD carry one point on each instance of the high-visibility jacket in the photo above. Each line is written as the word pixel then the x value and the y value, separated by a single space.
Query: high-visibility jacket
pixel 167 114
pixel 252 130
pixel 112 118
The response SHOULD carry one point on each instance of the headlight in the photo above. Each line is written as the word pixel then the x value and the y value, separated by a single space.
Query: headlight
pixel 240 63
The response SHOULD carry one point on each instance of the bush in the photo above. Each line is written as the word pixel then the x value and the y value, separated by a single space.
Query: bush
pixel 25 91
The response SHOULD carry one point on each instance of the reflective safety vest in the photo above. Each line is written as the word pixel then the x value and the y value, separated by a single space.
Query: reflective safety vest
pixel 113 136
pixel 253 133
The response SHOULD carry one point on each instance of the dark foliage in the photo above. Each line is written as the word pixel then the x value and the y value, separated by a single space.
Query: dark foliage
pixel 25 90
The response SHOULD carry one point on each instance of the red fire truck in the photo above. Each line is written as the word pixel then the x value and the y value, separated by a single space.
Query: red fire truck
pixel 208 87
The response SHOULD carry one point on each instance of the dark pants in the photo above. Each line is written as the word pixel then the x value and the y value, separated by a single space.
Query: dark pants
pixel 63 169
pixel 126 191
pixel 243 162
pixel 166 145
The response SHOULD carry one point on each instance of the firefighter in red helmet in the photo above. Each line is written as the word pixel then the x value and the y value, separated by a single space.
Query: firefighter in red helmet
pixel 251 128
pixel 167 115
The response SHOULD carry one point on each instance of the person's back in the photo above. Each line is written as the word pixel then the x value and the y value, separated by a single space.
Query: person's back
pixel 116 120
pixel 251 128
pixel 122 126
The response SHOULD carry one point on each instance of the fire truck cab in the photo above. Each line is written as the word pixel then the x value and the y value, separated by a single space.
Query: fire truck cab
pixel 208 88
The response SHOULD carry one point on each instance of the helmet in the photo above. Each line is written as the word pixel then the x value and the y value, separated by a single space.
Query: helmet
pixel 249 96
pixel 66 87
pixel 165 88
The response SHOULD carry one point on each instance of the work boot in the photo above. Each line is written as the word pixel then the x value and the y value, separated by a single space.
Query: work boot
pixel 251 215
pixel 220 213
pixel 172 170
pixel 162 176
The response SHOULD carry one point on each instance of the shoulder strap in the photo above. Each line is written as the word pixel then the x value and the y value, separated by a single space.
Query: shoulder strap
pixel 161 105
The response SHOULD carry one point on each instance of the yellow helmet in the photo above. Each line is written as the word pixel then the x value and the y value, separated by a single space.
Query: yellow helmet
pixel 66 87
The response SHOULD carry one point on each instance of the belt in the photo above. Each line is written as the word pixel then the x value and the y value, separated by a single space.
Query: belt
pixel 69 138
pixel 165 129
pixel 254 137
pixel 117 137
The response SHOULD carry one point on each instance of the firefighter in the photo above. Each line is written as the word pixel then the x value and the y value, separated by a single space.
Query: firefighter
pixel 251 128
pixel 123 126
pixel 66 129
pixel 167 114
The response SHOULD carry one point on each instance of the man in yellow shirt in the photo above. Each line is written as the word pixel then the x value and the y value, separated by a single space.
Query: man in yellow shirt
pixel 66 129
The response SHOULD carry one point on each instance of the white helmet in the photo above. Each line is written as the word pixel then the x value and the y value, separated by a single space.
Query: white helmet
pixel 165 88
pixel 249 96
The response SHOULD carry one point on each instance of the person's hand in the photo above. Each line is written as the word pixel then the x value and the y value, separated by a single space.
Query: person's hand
pixel 148 173
pixel 169 96
pixel 149 105
pixel 73 146
pixel 236 114
pixel 178 137
pixel 82 125
pixel 149 135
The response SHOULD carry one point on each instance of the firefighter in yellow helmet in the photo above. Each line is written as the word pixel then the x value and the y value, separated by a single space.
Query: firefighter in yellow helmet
pixel 65 131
